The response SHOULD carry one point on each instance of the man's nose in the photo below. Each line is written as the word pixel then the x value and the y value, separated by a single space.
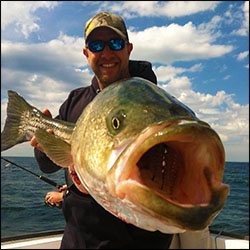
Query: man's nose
pixel 107 53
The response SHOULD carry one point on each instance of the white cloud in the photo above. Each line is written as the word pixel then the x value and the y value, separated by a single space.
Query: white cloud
pixel 234 122
pixel 209 111
pixel 242 55
pixel 177 43
pixel 243 17
pixel 196 67
pixel 245 9
pixel 171 9
pixel 44 73
pixel 229 119
pixel 40 91
pixel 22 14
pixel 182 82
pixel 56 59
pixel 168 73
pixel 227 77
pixel 213 28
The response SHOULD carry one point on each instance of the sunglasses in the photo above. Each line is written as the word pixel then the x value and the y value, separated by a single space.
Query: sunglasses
pixel 114 44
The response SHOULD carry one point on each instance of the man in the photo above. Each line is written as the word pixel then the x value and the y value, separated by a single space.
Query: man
pixel 88 225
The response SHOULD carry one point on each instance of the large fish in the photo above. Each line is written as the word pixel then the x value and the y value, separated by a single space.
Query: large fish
pixel 142 154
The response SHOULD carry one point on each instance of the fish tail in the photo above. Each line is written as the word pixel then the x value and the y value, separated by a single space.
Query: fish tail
pixel 14 131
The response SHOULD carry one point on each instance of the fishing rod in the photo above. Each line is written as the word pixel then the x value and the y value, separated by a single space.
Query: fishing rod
pixel 52 183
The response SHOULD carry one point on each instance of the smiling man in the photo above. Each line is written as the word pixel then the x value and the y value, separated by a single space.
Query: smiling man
pixel 107 48
pixel 88 224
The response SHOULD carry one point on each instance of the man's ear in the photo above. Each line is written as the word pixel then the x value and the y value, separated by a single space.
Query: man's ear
pixel 85 52
pixel 130 48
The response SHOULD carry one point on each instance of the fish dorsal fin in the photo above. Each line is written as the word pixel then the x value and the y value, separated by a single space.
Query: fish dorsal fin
pixel 56 149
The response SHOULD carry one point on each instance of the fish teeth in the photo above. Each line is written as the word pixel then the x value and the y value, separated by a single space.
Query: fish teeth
pixel 173 172
pixel 163 170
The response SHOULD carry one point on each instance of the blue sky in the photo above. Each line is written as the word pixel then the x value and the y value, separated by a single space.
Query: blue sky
pixel 199 52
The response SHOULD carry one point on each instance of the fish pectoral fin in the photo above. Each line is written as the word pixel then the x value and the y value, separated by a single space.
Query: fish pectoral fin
pixel 56 149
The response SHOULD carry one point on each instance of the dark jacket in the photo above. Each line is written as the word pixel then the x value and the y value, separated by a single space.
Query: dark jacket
pixel 88 225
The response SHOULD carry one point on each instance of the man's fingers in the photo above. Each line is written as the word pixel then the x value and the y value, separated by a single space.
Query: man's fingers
pixel 47 112
pixel 33 141
pixel 50 130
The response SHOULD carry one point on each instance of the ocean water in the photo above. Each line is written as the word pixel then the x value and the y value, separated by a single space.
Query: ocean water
pixel 23 209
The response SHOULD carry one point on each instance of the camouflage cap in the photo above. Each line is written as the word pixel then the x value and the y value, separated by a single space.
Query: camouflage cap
pixel 106 19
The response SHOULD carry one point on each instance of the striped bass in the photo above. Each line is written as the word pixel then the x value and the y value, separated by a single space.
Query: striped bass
pixel 139 152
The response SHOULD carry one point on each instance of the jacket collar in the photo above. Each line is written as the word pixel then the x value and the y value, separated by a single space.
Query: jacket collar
pixel 95 85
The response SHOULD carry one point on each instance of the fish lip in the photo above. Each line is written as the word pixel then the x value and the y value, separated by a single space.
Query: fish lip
pixel 120 174
pixel 169 213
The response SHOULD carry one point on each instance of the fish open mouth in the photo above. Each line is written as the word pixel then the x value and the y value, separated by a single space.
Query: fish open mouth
pixel 178 166
pixel 161 169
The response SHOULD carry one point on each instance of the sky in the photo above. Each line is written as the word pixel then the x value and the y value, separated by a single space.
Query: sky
pixel 199 52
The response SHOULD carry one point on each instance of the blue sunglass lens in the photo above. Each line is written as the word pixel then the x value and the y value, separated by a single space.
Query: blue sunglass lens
pixel 114 44
pixel 96 46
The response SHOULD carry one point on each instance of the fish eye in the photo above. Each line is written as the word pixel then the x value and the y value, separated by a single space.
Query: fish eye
pixel 115 123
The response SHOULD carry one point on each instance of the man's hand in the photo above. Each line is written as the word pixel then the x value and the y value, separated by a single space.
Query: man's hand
pixel 33 141
pixel 54 197
pixel 63 188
